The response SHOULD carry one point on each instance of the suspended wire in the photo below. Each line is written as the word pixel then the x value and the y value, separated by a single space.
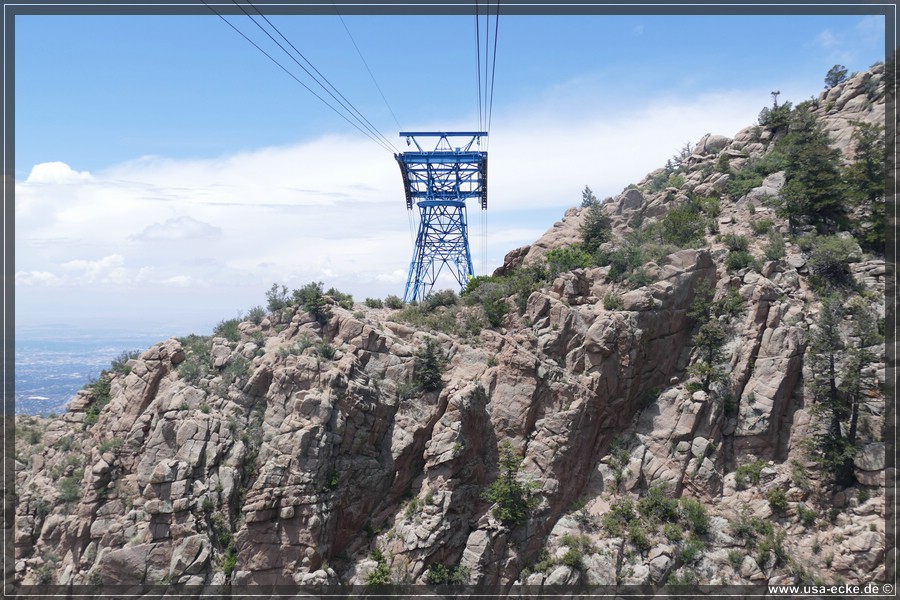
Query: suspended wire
pixel 478 66
pixel 487 53
pixel 294 77
pixel 378 87
pixel 346 104
pixel 493 68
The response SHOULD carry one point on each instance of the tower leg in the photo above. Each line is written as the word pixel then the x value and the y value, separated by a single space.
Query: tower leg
pixel 442 243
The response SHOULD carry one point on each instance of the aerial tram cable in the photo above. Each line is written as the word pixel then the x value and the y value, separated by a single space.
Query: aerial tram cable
pixel 318 77
pixel 478 67
pixel 358 51
pixel 485 93
pixel 493 71
pixel 295 78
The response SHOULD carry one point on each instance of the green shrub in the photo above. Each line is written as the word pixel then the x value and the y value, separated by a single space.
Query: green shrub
pixel 374 303
pixel 393 302
pixel 744 475
pixel 428 366
pixel 70 488
pixel 675 181
pixel 325 350
pixel 443 318
pixel 829 262
pixel 620 514
pixel 514 498
pixel 256 314
pixel 119 364
pixel 440 298
pixel 722 163
pixel 572 558
pixel 596 228
pixel 562 260
pixel 694 515
pixel 742 182
pixel 229 562
pixel 738 260
pixel 312 299
pixel 673 532
pixel 343 300
pixel 638 536
pixel 110 445
pixel 736 243
pixel 235 371
pixel 807 516
pixel 101 395
pixel 735 559
pixel 774 250
pixel 228 329
pixel 732 304
pixel 691 551
pixel 771 544
pixel 277 298
pixel 775 118
pixel 657 507
pixel 437 574
pixel 681 226
pixel 710 205
pixel 612 301
pixel 762 226
pixel 639 278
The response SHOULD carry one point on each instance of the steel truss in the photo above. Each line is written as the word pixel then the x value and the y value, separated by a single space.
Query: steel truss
pixel 439 182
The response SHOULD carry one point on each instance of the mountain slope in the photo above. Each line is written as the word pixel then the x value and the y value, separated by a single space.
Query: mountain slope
pixel 329 444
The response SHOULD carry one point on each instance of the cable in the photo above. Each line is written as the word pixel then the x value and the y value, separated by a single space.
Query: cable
pixel 493 69
pixel 347 29
pixel 478 66
pixel 294 77
pixel 348 106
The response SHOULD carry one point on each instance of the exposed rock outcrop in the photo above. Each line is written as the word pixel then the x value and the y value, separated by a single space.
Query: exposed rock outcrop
pixel 297 453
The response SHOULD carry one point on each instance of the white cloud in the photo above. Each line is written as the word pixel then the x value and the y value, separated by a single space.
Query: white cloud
pixel 107 270
pixel 178 281
pixel 56 172
pixel 330 209
pixel 827 39
pixel 178 229
pixel 36 278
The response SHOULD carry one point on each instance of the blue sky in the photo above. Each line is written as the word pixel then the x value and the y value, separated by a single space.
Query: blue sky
pixel 167 172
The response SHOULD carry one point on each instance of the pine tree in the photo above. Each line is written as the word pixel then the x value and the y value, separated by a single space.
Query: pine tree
pixel 596 227
pixel 813 187
pixel 866 183
pixel 834 449
pixel 588 198
pixel 836 74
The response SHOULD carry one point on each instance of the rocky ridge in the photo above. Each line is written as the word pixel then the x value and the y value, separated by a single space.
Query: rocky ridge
pixel 296 452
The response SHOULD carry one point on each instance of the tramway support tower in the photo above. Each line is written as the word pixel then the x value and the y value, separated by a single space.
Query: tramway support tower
pixel 439 182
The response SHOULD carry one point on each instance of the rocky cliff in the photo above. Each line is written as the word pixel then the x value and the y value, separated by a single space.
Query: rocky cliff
pixel 301 447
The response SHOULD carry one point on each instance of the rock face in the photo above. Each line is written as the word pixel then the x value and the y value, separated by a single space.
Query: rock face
pixel 297 453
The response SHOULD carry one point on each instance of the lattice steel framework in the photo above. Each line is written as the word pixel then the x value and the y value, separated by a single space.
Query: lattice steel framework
pixel 439 182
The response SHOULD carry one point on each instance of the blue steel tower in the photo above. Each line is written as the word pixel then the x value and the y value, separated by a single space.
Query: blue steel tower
pixel 440 181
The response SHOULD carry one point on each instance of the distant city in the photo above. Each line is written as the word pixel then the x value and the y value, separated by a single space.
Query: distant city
pixel 51 369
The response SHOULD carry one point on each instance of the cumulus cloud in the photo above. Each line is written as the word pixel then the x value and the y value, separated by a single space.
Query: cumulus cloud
pixel 36 278
pixel 107 270
pixel 332 209
pixel 178 229
pixel 56 172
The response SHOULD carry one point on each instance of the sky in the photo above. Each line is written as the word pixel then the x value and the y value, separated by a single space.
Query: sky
pixel 167 172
